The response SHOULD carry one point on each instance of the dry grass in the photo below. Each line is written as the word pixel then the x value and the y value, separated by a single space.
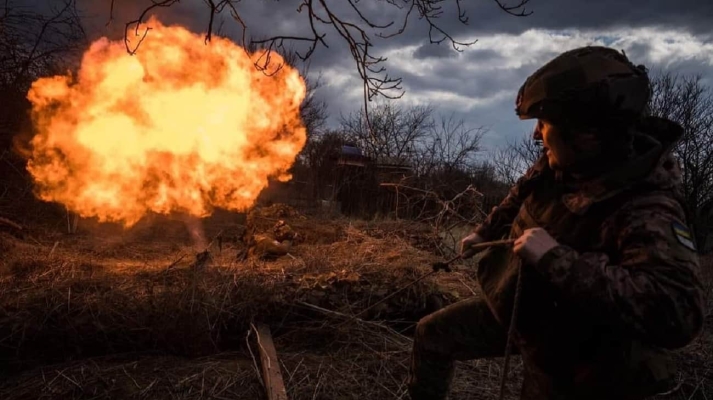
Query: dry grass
pixel 70 304
pixel 159 377
pixel 124 315
pixel 61 306
pixel 361 361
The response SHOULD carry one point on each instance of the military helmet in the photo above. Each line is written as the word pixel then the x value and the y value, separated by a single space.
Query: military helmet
pixel 591 85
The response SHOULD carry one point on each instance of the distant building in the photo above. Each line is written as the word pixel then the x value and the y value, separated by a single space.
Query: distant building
pixel 353 184
pixel 352 155
pixel 393 170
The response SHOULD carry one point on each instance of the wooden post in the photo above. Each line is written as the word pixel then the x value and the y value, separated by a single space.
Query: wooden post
pixel 274 385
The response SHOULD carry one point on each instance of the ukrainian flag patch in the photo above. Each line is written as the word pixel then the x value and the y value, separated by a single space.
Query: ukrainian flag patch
pixel 683 235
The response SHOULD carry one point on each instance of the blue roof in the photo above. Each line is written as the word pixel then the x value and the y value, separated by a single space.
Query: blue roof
pixel 351 150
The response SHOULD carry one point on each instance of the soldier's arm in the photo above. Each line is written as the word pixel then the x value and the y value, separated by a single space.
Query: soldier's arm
pixel 498 222
pixel 653 291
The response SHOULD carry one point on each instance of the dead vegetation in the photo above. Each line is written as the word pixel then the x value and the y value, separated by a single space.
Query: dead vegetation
pixel 91 316
pixel 106 316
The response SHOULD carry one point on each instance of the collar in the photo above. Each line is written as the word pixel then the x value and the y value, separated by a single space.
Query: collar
pixel 619 179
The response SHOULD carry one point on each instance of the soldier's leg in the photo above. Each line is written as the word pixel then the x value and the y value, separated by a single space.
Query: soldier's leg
pixel 463 331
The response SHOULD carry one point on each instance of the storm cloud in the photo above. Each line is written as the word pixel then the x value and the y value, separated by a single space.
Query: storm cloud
pixel 478 83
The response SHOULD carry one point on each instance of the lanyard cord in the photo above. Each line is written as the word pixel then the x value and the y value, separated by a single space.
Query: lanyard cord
pixel 511 331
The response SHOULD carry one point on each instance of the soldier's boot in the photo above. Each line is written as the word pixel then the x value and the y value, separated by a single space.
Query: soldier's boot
pixel 466 330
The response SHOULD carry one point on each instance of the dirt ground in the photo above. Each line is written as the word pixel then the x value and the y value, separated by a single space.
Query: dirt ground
pixel 106 313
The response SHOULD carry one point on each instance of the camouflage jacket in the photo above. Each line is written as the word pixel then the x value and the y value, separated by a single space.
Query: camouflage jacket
pixel 598 312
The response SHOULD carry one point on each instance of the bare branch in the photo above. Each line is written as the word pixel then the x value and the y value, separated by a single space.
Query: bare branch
pixel 394 133
pixel 448 212
pixel 511 162
pixel 34 42
pixel 30 39
pixel 517 10
pixel 355 32
pixel 140 20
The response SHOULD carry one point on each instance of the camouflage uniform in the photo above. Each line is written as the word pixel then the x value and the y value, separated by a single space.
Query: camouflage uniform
pixel 599 312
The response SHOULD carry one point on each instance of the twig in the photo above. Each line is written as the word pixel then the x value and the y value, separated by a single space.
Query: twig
pixel 473 292
pixel 252 355
pixel 173 264
pixel 56 243
pixel 131 377
pixel 319 381
pixel 353 318
pixel 5 221
pixel 511 332
pixel 449 213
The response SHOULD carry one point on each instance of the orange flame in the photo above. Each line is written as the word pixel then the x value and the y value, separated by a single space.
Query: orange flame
pixel 180 126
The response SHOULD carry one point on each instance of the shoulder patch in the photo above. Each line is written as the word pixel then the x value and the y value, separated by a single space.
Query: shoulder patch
pixel 683 235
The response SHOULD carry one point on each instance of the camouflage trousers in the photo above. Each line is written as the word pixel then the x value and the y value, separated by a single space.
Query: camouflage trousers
pixel 467 330
pixel 463 331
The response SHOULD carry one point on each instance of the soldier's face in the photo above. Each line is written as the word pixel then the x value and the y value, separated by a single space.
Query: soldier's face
pixel 568 151
pixel 559 154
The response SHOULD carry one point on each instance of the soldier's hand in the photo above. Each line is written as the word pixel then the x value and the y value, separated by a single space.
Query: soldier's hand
pixel 467 242
pixel 533 245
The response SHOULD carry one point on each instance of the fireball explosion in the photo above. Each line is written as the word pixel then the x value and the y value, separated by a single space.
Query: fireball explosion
pixel 180 126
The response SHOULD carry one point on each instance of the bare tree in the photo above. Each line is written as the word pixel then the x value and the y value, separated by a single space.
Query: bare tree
pixel 397 133
pixel 355 24
pixel 450 145
pixel 415 136
pixel 688 101
pixel 447 162
pixel 313 109
pixel 511 161
pixel 33 43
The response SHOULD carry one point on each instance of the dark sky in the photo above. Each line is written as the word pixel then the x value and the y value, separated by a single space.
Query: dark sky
pixel 480 83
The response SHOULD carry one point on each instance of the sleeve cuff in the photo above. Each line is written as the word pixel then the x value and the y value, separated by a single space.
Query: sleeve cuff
pixel 550 258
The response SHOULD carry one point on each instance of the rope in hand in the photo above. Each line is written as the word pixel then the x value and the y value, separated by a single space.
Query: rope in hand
pixel 511 331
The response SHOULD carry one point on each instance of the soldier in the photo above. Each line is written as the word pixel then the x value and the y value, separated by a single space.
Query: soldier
pixel 608 267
